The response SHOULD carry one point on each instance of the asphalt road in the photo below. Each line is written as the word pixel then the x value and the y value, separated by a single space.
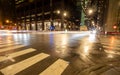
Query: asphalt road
pixel 59 53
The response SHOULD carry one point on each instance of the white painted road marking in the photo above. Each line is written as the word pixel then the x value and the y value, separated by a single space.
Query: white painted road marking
pixel 15 68
pixel 8 44
pixel 16 54
pixel 56 68
pixel 11 48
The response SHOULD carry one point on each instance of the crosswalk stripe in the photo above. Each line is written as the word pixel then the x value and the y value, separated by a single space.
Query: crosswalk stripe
pixel 112 52
pixel 6 42
pixel 11 48
pixel 8 45
pixel 105 43
pixel 16 54
pixel 108 44
pixel 15 68
pixel 56 68
pixel 113 48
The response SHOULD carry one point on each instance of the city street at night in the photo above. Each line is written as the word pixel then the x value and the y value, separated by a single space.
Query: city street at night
pixel 59 37
pixel 58 53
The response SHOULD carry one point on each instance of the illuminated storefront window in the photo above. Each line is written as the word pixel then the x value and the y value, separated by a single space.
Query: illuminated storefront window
pixel 47 25
pixel 28 26
pixel 39 25
pixel 33 26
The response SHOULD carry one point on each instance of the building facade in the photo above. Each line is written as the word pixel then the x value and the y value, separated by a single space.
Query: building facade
pixel 7 16
pixel 42 14
pixel 113 18
pixel 0 14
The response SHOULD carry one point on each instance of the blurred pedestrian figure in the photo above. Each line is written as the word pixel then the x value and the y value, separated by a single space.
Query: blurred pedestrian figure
pixel 52 28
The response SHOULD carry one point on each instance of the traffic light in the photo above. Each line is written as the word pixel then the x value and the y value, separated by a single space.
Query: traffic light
pixel 114 27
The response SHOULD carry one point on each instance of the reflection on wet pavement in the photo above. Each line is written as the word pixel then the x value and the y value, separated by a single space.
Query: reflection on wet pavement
pixel 86 53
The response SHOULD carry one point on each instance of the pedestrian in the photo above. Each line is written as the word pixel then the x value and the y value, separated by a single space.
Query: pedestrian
pixel 52 27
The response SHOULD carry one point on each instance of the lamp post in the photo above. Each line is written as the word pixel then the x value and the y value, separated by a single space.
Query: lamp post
pixel 58 11
pixel 63 15
pixel 7 21
pixel 89 15
pixel 90 11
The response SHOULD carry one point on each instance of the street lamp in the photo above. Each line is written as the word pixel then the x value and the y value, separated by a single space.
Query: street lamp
pixel 92 22
pixel 90 11
pixel 64 14
pixel 7 21
pixel 58 11
pixel 15 24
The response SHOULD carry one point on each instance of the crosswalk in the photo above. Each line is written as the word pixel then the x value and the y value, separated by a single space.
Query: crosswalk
pixel 9 65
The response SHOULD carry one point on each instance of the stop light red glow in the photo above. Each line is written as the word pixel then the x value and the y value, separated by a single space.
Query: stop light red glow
pixel 114 27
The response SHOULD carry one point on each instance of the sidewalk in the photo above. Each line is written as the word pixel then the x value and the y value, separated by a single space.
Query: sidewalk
pixel 111 33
